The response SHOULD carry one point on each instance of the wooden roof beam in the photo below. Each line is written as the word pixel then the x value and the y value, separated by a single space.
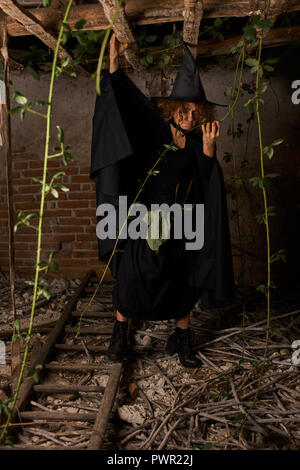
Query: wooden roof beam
pixel 212 47
pixel 142 12
pixel 123 32
pixel 32 25
pixel 193 12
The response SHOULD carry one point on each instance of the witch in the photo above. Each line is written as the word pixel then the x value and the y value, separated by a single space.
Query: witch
pixel 130 131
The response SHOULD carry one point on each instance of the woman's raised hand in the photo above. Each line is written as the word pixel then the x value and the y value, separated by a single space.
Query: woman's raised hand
pixel 210 130
pixel 115 48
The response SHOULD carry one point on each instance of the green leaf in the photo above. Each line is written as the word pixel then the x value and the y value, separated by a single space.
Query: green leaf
pixel 228 91
pixel 66 27
pixel 151 38
pixel 265 24
pixel 59 174
pixel 54 192
pixel 30 216
pixel 268 68
pixel 273 60
pixel 46 3
pixel 277 142
pixel 14 110
pixel 251 62
pixel 22 114
pixel 250 32
pixel 40 103
pixel 62 187
pixel 80 24
pixel 19 97
pixel 60 134
pixel 37 180
pixel 16 226
pixel 33 72
pixel 263 87
pixel 271 175
pixel 149 59
pixel 65 61
pixel 207 446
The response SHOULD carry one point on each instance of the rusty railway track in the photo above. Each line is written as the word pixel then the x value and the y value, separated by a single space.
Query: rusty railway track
pixel 57 342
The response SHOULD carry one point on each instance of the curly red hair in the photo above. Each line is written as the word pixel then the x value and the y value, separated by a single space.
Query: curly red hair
pixel 203 111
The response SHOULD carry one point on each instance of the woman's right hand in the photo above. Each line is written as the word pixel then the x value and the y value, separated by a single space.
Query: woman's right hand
pixel 115 49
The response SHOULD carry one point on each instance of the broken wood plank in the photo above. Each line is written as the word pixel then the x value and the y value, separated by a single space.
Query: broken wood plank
pixel 54 388
pixel 107 402
pixel 80 347
pixel 53 337
pixel 88 330
pixel 77 367
pixel 57 416
pixel 95 314
pixel 42 328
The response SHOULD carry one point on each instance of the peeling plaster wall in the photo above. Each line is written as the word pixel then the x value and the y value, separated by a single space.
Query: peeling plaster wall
pixel 73 108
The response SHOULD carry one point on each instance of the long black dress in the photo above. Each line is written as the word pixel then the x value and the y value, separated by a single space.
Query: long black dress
pixel 128 136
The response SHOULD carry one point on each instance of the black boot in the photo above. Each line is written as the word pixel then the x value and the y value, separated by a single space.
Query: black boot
pixel 180 342
pixel 118 342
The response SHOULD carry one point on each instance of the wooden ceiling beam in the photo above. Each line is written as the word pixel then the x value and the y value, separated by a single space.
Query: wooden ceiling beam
pixel 193 12
pixel 141 12
pixel 123 32
pixel 31 24
pixel 212 47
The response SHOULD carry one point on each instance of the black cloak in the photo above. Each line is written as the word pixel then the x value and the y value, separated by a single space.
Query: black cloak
pixel 128 136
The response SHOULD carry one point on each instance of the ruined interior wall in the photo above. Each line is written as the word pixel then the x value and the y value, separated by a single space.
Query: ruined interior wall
pixel 70 221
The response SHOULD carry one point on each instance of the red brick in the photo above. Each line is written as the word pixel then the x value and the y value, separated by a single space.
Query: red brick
pixel 73 262
pixel 85 212
pixel 83 195
pixel 35 164
pixel 80 179
pixel 83 254
pixel 71 170
pixel 55 163
pixel 20 165
pixel 79 245
pixel 85 237
pixel 68 229
pixel 74 221
pixel 30 206
pixel 32 173
pixel 73 187
pixel 57 213
pixel 85 170
pixel 24 254
pixel 90 228
pixel 72 204
pixel 58 237
pixel 22 197
pixel 29 189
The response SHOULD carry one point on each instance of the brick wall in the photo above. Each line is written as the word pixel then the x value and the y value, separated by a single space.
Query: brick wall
pixel 69 221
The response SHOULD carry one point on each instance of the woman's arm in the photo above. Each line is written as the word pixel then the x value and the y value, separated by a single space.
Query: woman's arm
pixel 115 49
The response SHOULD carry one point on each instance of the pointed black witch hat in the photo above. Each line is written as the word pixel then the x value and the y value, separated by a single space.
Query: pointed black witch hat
pixel 187 85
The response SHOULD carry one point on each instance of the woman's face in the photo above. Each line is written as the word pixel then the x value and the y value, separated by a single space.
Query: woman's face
pixel 186 118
